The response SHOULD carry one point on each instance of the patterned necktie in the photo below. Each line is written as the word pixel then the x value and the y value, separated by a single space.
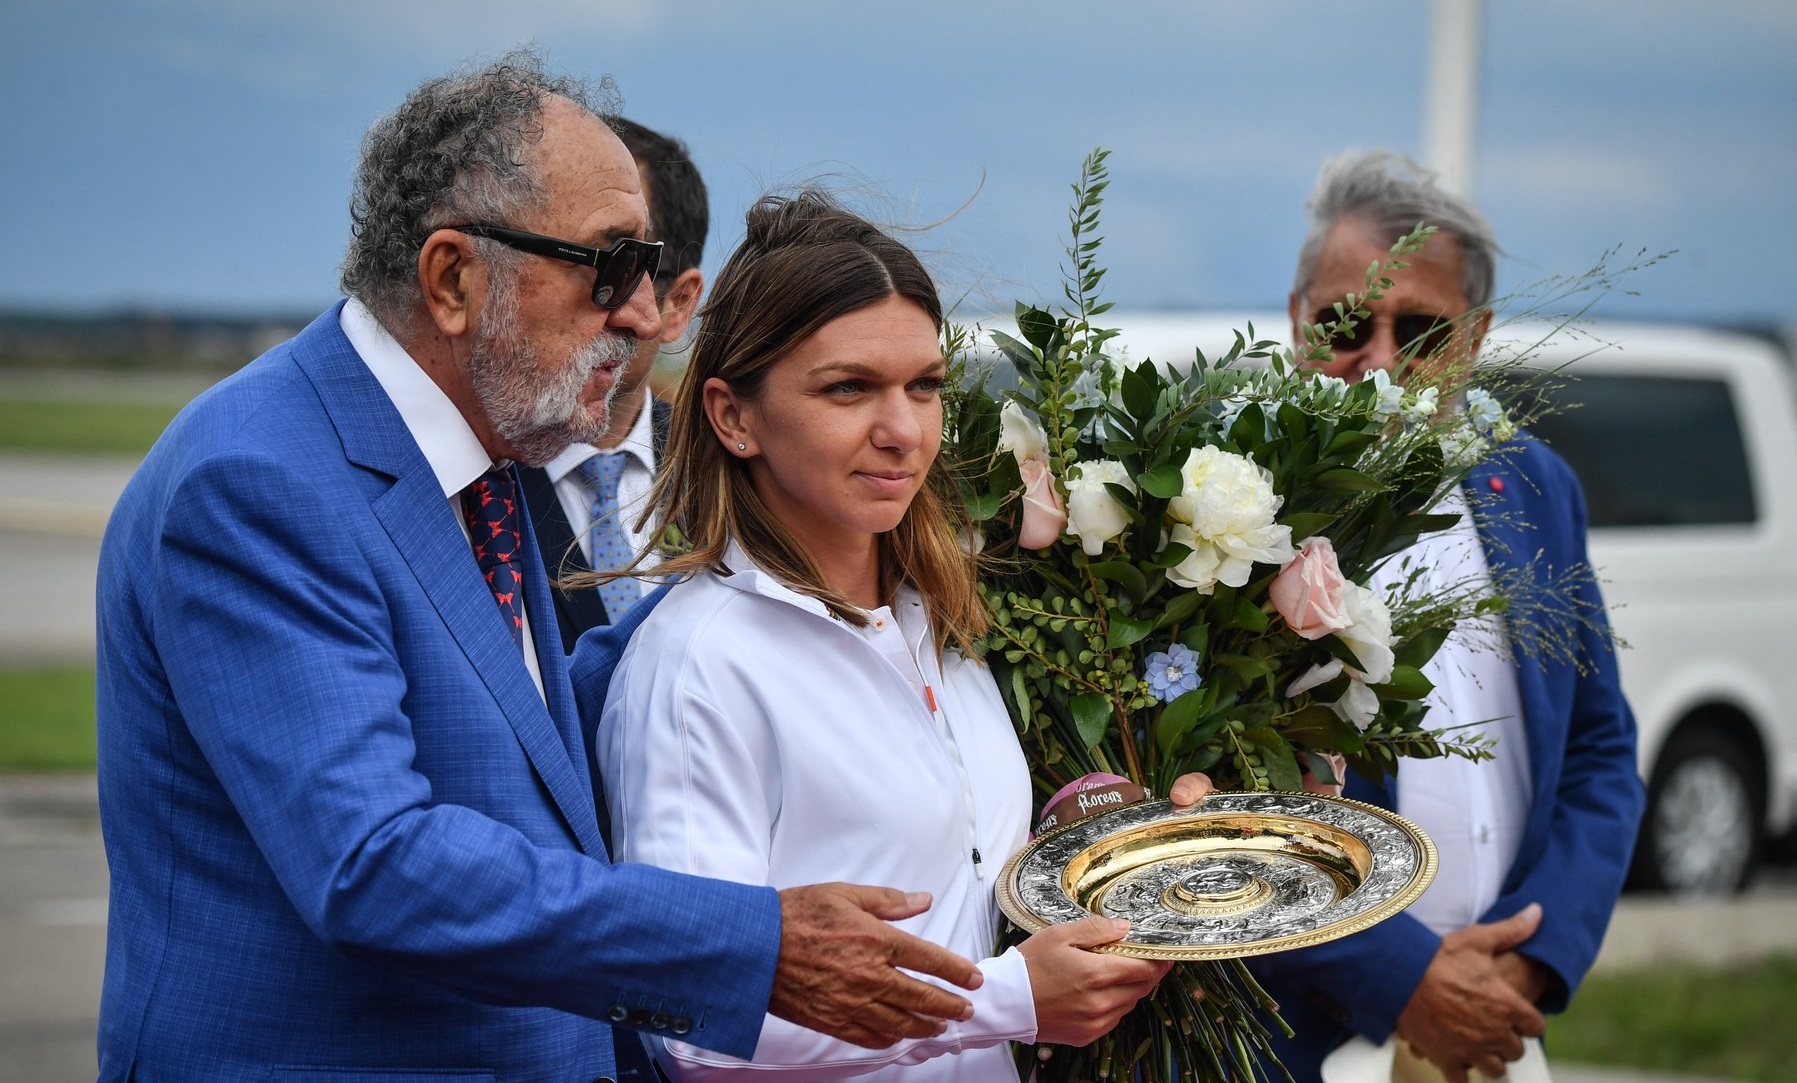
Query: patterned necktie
pixel 490 505
pixel 611 546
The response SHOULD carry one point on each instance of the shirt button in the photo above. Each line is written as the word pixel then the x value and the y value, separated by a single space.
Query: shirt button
pixel 681 1024
pixel 639 1017
pixel 659 1020
pixel 618 1013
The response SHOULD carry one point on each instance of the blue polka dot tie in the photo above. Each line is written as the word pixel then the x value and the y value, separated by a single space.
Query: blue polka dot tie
pixel 611 545
pixel 496 531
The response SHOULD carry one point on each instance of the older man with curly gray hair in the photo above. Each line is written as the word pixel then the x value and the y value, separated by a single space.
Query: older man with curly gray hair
pixel 344 784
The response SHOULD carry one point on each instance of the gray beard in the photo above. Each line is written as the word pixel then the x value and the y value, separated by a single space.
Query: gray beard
pixel 538 415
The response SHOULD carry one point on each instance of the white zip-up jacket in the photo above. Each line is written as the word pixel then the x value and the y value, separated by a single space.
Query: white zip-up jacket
pixel 752 736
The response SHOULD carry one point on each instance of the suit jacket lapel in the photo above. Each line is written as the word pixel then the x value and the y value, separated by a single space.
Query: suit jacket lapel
pixel 1498 492
pixel 418 519
pixel 575 610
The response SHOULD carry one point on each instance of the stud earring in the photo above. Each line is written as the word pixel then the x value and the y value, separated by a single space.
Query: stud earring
pixel 740 446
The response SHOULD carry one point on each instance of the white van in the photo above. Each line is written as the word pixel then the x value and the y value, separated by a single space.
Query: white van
pixel 1686 443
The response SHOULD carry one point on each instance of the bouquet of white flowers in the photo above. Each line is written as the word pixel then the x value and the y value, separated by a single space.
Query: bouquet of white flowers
pixel 1176 562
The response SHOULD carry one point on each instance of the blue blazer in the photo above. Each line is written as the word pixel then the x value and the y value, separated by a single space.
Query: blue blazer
pixel 348 839
pixel 1587 799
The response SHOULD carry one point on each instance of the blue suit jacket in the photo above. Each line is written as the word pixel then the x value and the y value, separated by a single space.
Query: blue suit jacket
pixel 348 839
pixel 1587 793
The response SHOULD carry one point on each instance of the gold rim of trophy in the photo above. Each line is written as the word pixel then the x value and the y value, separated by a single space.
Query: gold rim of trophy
pixel 1344 857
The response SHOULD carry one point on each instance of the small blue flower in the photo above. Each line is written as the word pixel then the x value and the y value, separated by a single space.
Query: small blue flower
pixel 1172 672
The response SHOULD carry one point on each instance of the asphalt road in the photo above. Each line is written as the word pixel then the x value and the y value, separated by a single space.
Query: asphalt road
pixel 53 930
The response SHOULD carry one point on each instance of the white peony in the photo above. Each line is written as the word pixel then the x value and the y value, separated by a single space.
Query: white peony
pixel 1021 435
pixel 1225 514
pixel 1093 514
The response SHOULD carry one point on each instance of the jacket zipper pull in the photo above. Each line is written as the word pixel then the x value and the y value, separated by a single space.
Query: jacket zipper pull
pixel 979 870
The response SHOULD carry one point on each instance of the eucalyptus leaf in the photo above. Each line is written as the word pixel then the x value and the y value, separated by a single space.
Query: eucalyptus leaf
pixel 984 506
pixel 1282 767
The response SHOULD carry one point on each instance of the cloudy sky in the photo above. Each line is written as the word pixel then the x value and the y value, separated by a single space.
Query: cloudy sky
pixel 196 154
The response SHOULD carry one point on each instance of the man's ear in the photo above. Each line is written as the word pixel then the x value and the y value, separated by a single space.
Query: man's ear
pixel 448 276
pixel 679 304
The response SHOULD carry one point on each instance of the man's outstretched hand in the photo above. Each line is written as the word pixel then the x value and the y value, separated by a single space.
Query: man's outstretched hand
pixel 838 973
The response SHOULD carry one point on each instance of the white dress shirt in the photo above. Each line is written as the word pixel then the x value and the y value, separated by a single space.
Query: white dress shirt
pixel 444 436
pixel 1475 812
pixel 750 735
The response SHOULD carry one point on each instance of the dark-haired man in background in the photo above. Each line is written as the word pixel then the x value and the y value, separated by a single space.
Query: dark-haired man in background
pixel 585 502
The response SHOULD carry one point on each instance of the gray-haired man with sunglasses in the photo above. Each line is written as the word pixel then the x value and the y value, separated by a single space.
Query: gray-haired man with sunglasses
pixel 1535 843
pixel 343 784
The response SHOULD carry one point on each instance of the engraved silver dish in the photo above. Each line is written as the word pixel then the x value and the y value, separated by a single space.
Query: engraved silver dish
pixel 1237 874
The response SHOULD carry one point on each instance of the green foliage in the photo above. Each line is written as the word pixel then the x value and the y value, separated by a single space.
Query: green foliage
pixel 1072 633
pixel 49 719
pixel 114 428
pixel 1719 1024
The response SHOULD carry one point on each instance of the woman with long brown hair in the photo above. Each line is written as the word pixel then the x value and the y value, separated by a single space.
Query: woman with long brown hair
pixel 805 704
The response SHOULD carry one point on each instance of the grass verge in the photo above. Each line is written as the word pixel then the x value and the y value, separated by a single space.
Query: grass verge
pixel 49 715
pixel 72 427
pixel 1737 1023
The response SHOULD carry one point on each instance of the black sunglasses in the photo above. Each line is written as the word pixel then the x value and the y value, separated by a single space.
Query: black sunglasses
pixel 622 267
pixel 1417 334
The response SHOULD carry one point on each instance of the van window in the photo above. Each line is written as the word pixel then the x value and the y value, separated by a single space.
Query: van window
pixel 1650 450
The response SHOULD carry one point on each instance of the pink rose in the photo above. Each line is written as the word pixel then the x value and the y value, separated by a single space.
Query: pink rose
pixel 1044 515
pixel 1309 592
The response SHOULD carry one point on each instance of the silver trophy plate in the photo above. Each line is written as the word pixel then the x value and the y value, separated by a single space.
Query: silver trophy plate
pixel 1237 874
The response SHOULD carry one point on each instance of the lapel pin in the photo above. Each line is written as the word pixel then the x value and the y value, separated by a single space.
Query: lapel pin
pixel 1497 485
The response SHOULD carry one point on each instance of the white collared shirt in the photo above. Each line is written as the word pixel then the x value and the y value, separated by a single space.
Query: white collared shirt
pixel 448 442
pixel 1475 812
pixel 576 493
pixel 749 735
